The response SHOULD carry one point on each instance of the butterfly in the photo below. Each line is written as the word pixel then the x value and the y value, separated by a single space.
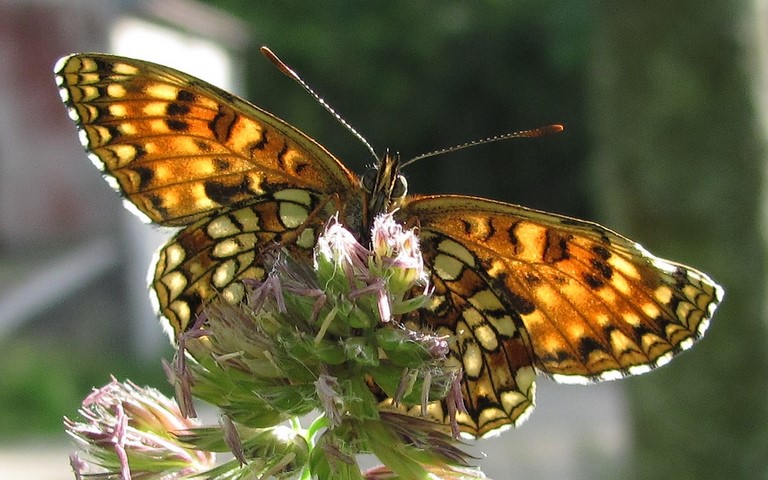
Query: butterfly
pixel 519 291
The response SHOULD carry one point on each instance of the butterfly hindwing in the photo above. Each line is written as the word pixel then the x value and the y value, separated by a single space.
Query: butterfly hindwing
pixel 487 338
pixel 570 298
pixel 212 256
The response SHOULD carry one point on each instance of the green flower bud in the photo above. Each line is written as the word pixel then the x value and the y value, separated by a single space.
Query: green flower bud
pixel 401 350
pixel 361 351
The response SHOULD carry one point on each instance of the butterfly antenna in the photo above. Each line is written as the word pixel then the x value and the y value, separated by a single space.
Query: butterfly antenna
pixel 290 73
pixel 535 132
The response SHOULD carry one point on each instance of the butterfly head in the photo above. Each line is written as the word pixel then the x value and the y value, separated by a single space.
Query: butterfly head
pixel 385 187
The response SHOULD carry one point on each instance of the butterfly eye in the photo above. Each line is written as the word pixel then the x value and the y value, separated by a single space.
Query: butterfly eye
pixel 368 181
pixel 400 188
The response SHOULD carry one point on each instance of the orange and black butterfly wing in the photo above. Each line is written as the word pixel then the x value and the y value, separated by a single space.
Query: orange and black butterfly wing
pixel 213 255
pixel 185 153
pixel 526 291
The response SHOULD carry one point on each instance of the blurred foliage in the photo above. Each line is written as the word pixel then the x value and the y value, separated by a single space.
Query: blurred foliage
pixel 679 162
pixel 41 385
pixel 49 366
pixel 418 76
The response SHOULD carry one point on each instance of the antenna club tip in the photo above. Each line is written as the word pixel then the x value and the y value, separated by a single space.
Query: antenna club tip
pixel 537 132
pixel 544 131
pixel 272 57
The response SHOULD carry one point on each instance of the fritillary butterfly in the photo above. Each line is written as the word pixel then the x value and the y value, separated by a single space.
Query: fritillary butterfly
pixel 520 291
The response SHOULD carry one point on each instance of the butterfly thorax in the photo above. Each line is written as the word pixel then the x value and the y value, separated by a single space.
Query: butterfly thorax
pixel 385 187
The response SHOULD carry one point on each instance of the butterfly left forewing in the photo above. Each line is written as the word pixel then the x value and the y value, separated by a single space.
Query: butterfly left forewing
pixel 179 148
pixel 587 303
pixel 185 153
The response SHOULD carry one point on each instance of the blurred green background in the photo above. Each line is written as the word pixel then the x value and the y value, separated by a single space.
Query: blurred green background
pixel 664 142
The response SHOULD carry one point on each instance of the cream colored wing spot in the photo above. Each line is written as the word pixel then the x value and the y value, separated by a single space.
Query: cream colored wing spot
pixel 490 415
pixel 481 330
pixel 154 109
pixel 173 256
pixel 621 265
pixel 127 129
pixel 96 136
pixel 519 403
pixel 447 267
pixel 234 245
pixel 294 205
pixel 120 155
pixel 294 195
pixel 651 310
pixel 175 282
pixel 234 292
pixel 472 358
pixel 485 300
pixel 607 295
pixel 201 201
pixel 181 311
pixel 224 273
pixel 162 91
pixel 292 215
pixel 307 238
pixel 620 283
pixel 457 251
pixel 117 110
pixel 504 325
pixel 248 219
pixel 531 242
pixel 488 303
pixel 115 91
pixel 119 68
pixel 632 319
pixel 525 377
pixel 222 227
pixel 437 303
pixel 451 260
